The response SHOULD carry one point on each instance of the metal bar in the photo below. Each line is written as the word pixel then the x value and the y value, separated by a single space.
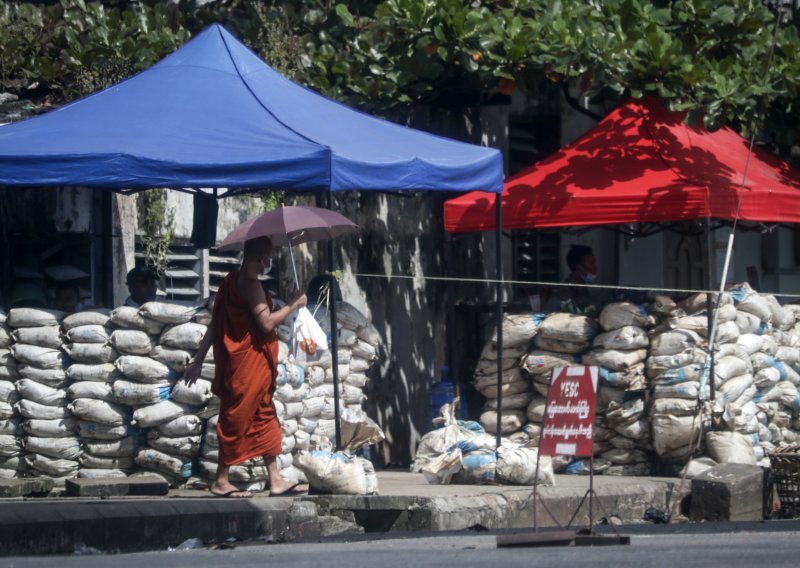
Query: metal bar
pixel 499 293
pixel 334 335
pixel 710 305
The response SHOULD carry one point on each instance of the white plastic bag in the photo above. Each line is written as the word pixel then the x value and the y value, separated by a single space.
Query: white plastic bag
pixel 307 333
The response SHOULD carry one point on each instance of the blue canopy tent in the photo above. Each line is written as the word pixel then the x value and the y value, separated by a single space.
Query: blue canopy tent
pixel 214 115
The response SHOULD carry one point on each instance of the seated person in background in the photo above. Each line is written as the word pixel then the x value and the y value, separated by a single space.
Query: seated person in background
pixel 319 286
pixel 68 298
pixel 141 283
pixel 583 270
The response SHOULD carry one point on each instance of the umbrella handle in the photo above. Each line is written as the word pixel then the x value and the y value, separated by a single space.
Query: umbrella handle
pixel 294 268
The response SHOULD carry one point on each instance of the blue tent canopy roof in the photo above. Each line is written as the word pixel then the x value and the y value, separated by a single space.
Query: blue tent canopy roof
pixel 212 114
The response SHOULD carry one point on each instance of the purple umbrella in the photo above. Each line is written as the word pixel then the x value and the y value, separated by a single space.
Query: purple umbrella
pixel 289 226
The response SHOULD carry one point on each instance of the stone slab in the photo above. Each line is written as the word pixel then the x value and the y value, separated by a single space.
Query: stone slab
pixel 728 492
pixel 116 487
pixel 26 486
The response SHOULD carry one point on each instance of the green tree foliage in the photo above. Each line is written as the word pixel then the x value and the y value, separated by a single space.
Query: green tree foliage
pixel 735 62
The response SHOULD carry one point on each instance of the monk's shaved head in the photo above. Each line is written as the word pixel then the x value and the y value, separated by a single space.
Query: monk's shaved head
pixel 256 248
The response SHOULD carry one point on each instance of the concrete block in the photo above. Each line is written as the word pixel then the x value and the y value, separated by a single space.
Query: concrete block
pixel 728 492
pixel 116 487
pixel 26 486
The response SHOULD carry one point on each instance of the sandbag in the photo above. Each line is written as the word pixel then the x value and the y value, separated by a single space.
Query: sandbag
pixel 513 402
pixel 749 323
pixel 632 379
pixel 93 410
pixel 124 447
pixel 30 409
pixel 569 327
pixel 68 448
pixel 511 421
pixel 518 329
pixel 96 431
pixel 145 370
pixel 167 313
pixel 184 336
pixel 674 342
pixel 91 353
pixel 196 395
pixel 620 314
pixel 58 428
pixel 184 446
pixel 132 393
pixel 127 317
pixel 624 338
pixel 335 473
pixel 560 345
pixel 41 357
pixel 518 466
pixel 44 336
pixel 730 447
pixel 132 342
pixel 541 362
pixel 614 359
pixel 158 413
pixel 88 334
pixel 53 467
pixel 149 458
pixel 41 394
pixel 33 317
pixel 175 359
pixel 102 373
pixel 97 316
pixel 187 425
pixel 671 433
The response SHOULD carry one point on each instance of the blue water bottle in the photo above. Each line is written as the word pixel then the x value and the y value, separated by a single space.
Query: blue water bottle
pixel 441 393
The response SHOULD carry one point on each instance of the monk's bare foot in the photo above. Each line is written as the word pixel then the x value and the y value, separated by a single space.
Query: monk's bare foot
pixel 229 490
pixel 283 487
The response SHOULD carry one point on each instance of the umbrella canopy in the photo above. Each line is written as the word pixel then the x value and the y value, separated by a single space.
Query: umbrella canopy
pixel 213 114
pixel 292 225
pixel 640 164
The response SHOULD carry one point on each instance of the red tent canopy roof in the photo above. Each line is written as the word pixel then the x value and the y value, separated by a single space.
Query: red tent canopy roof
pixel 641 163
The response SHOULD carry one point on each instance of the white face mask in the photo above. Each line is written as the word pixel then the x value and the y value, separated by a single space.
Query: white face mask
pixel 590 277
pixel 268 267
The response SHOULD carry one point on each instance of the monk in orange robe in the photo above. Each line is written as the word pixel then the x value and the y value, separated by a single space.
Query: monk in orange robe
pixel 242 331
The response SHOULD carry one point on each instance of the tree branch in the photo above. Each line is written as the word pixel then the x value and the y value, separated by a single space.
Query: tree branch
pixel 571 101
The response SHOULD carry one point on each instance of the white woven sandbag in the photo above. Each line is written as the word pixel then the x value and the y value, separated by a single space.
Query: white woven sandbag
pixel 632 379
pixel 184 446
pixel 749 323
pixel 53 467
pixel 132 393
pixel 188 425
pixel 542 362
pixel 165 312
pixel 312 406
pixel 536 409
pixel 674 342
pixel 42 394
pixel 672 433
pixel 790 355
pixel 358 380
pixel 625 456
pixel 673 407
pixel 97 316
pixel 569 327
pixel 698 324
pixel 343 371
pixel 68 448
pixel 656 365
pixel 335 473
pixel 124 447
pixel 347 337
pixel 41 357
pixel 730 447
pixel 197 394
pixel 733 388
pixel 288 444
pixel 30 409
pixel 96 431
pixel 183 336
pixel 347 394
pixel 329 408
pixel 522 466
pixel 59 428
pixel 728 367
pixel 289 427
pixel 560 345
pixel 145 370
pixel 621 314
pixel 347 315
pixel 90 389
pixel 636 430
pixel 307 424
pixel 370 334
pixel 158 413
pixel 33 317
pixel 93 410
pixel 750 342
pixel 489 388
pixel 7 410
pixel 9 372
pixel 91 353
pixel 364 350
pixel 625 412
pixel 10 446
pixel 782 318
pixel 88 334
pixel 127 317
pixel 8 392
pixel 132 342
pixel 6 357
pixel 175 359
pixel 94 473
pixel 5 336
pixel 614 359
pixel 490 352
pixel 322 358
pixel 625 338
pixel 44 336
pixel 518 329
pixel 728 332
pixel 756 305
pixel 101 373
pixel 689 389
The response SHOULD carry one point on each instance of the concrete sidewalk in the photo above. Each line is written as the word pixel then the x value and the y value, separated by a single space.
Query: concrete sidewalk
pixel 63 525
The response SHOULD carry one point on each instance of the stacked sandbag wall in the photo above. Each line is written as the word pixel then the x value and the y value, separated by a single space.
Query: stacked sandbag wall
pixel 98 394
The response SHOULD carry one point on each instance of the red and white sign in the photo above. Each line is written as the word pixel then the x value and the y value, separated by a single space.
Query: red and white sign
pixel 568 428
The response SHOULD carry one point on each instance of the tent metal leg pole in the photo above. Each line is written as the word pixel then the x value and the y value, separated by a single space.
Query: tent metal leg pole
pixel 710 303
pixel 499 294
pixel 334 335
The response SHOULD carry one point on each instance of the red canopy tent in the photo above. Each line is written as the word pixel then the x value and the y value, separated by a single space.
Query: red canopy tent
pixel 640 164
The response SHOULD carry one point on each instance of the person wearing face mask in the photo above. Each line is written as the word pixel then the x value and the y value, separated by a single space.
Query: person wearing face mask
pixel 583 270
pixel 243 334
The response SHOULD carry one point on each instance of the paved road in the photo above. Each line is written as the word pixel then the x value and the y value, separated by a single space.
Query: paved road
pixel 659 548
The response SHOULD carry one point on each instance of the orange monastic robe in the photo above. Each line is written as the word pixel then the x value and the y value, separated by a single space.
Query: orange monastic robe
pixel 246 360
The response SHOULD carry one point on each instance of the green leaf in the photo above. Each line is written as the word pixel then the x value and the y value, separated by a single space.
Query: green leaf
pixel 344 15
